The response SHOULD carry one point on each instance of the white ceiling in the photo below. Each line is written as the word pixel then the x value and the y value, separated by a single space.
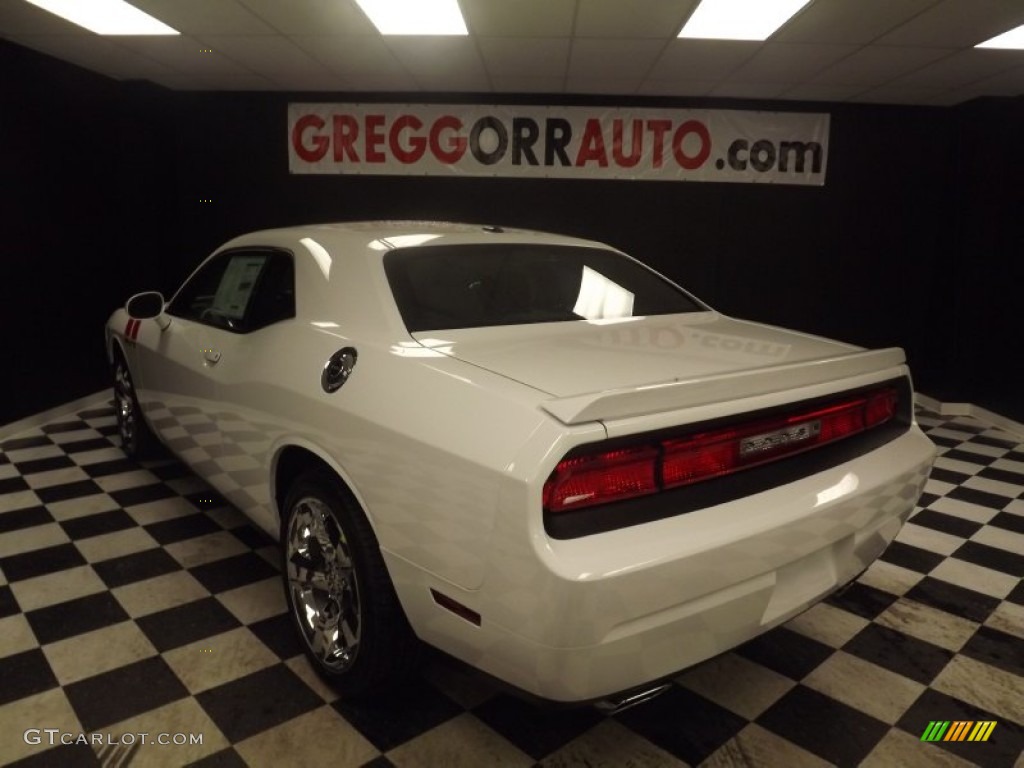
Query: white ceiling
pixel 880 51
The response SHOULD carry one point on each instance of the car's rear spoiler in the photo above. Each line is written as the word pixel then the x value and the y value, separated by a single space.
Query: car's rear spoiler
pixel 686 393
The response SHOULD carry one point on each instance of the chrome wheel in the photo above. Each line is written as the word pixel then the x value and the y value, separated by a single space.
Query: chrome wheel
pixel 124 396
pixel 322 584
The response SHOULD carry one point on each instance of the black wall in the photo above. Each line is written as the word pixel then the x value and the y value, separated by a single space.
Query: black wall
pixel 913 234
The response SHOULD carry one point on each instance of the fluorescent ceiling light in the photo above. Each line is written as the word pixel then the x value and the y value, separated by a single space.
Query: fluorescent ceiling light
pixel 1014 39
pixel 415 17
pixel 740 19
pixel 106 17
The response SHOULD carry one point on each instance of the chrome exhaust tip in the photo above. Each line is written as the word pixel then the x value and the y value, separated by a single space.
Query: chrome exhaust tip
pixel 620 703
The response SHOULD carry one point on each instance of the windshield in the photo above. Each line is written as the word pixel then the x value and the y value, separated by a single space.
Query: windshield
pixel 472 286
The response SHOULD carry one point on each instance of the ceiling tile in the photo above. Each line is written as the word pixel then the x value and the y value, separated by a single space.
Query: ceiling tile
pixel 95 53
pixel 856 22
pixel 20 18
pixel 612 86
pixel 519 18
pixel 702 59
pixel 367 82
pixel 183 54
pixel 265 55
pixel 636 18
pixel 821 92
pixel 742 90
pixel 312 17
pixel 1008 83
pixel 962 68
pixel 350 54
pixel 958 23
pixel 246 82
pixel 526 84
pixel 205 17
pixel 613 58
pixel 878 64
pixel 432 57
pixel 895 94
pixel 530 57
pixel 473 82
pixel 681 87
pixel 300 81
pixel 790 62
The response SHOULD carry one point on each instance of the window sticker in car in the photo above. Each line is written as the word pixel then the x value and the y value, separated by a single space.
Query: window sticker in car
pixel 237 285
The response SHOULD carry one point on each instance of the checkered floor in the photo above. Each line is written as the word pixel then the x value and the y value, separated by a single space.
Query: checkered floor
pixel 133 600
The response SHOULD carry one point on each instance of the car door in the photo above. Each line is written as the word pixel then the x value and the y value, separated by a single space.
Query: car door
pixel 240 339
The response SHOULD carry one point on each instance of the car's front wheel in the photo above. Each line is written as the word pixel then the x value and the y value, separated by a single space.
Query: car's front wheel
pixel 338 590
pixel 137 441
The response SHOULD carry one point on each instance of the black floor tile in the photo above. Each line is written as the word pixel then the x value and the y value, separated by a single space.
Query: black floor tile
pixel 124 692
pixel 135 567
pixel 232 572
pixel 704 728
pixel 388 723
pixel 41 561
pixel 981 498
pixel 993 442
pixel 181 528
pixel 899 653
pixel 79 528
pixel 381 761
pixel 8 605
pixel 13 485
pixel 950 524
pixel 226 758
pixel 142 495
pixel 25 674
pixel 1008 521
pixel 862 600
pixel 64 426
pixel 187 623
pixel 991 557
pixel 948 475
pixel 970 429
pixel 20 443
pixel 67 491
pixel 828 728
pixel 1017 595
pixel 96 413
pixel 1002 750
pixel 1003 476
pixel 998 649
pixel 252 537
pixel 945 442
pixel 969 457
pixel 75 617
pixel 242 707
pixel 278 633
pixel 107 468
pixel 914 558
pixel 88 444
pixel 536 732
pixel 61 756
pixel 953 599
pixel 24 518
pixel 171 471
pixel 927 498
pixel 787 652
pixel 35 466
pixel 110 431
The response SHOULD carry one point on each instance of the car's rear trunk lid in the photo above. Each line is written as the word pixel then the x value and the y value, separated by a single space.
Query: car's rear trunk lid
pixel 609 370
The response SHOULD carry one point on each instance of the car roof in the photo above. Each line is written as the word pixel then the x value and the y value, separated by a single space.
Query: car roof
pixel 383 236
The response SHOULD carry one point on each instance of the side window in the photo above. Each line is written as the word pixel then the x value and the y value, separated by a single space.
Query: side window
pixel 274 299
pixel 239 291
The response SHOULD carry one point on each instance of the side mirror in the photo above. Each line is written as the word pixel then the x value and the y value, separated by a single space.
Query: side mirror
pixel 147 306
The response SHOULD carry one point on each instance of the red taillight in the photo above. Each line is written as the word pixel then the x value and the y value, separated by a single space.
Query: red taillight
pixel 598 479
pixel 584 481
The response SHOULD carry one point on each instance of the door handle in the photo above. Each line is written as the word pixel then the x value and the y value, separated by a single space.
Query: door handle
pixel 211 356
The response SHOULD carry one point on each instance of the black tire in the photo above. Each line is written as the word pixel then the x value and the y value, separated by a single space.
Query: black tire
pixel 137 439
pixel 336 584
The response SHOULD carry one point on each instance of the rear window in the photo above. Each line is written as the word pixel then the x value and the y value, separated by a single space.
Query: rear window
pixel 471 286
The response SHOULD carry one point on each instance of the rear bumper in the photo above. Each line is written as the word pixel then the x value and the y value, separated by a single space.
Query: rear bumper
pixel 598 615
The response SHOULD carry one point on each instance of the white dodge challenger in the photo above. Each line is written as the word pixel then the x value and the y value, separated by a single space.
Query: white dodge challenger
pixel 530 451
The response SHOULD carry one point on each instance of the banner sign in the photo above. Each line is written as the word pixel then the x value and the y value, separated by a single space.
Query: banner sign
pixel 558 142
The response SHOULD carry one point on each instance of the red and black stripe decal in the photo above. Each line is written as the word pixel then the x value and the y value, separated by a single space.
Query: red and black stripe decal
pixel 131 330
